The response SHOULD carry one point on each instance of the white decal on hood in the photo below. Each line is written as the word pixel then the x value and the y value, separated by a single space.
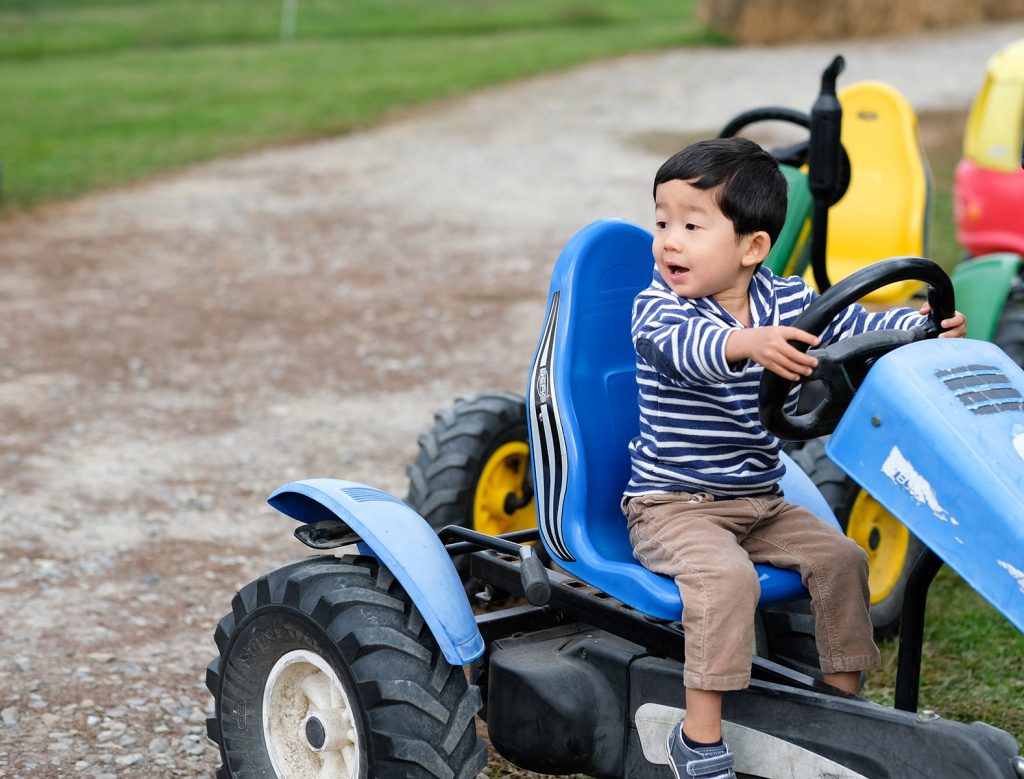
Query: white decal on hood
pixel 899 469
pixel 1018 575
pixel 1018 439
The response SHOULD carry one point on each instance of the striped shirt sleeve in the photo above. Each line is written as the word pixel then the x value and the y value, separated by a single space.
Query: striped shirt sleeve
pixel 855 319
pixel 680 344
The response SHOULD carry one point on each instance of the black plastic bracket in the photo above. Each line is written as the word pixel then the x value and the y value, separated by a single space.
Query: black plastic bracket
pixel 328 534
pixel 908 664
pixel 533 574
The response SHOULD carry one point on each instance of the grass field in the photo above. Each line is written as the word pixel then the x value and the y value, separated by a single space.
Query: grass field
pixel 100 92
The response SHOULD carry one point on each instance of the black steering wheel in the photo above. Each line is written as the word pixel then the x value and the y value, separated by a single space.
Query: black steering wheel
pixel 842 366
pixel 797 154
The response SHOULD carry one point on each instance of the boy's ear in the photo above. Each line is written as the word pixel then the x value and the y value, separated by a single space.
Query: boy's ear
pixel 757 247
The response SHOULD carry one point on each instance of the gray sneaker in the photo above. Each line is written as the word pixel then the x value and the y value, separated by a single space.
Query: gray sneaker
pixel 689 763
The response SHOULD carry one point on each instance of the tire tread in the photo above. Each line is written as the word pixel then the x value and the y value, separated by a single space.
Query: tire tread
pixel 438 693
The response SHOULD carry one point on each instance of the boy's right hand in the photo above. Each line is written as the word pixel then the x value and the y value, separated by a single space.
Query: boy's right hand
pixel 769 347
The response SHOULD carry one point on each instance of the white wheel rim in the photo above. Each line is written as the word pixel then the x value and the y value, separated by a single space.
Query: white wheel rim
pixel 308 723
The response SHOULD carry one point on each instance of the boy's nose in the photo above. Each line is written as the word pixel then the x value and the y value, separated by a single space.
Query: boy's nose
pixel 674 240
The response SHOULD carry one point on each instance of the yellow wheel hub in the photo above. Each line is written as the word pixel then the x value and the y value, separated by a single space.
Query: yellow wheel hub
pixel 503 474
pixel 884 539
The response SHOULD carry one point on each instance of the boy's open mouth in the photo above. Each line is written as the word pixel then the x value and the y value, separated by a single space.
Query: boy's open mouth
pixel 676 271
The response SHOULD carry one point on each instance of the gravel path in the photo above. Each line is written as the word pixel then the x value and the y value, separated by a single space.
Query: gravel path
pixel 174 350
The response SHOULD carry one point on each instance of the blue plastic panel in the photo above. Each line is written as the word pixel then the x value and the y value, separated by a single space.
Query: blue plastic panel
pixel 936 435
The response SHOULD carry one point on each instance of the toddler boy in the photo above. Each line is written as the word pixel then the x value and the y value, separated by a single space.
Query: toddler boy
pixel 703 501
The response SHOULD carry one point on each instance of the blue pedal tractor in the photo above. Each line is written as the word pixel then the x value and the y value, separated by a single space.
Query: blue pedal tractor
pixel 862 164
pixel 355 666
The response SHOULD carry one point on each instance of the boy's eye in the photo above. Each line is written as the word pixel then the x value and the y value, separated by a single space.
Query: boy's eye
pixel 691 226
pixel 661 225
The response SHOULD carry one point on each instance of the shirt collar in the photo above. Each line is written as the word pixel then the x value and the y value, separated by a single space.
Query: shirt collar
pixel 762 300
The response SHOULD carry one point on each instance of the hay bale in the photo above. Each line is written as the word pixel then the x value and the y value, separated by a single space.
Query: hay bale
pixel 767 22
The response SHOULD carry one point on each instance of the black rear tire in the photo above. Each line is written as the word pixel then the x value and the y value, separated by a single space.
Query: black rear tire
pixel 473 470
pixel 340 642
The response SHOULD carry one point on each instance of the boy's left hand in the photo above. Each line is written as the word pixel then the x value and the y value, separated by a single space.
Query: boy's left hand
pixel 954 327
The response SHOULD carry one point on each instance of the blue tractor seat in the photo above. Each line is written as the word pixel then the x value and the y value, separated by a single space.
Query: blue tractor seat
pixel 583 412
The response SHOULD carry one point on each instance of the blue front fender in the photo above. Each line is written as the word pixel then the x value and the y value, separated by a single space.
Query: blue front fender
pixel 404 542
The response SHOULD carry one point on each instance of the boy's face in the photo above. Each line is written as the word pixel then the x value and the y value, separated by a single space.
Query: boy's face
pixel 695 245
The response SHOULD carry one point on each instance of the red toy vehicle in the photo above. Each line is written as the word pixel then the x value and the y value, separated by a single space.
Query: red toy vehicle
pixel 989 181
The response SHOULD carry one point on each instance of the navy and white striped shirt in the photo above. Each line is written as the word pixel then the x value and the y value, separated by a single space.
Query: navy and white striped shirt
pixel 699 425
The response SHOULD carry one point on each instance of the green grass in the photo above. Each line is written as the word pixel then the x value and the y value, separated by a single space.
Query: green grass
pixel 101 92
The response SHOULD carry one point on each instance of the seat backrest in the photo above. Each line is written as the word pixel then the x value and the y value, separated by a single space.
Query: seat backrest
pixel 583 412
pixel 588 318
pixel 884 213
pixel 583 391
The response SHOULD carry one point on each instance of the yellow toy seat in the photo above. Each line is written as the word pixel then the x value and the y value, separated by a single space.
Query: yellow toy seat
pixel 884 211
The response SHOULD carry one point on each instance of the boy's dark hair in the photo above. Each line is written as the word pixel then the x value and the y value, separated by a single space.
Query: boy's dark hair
pixel 751 190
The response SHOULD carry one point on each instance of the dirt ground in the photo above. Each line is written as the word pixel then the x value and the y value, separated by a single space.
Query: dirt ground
pixel 172 353
pixel 175 350
pixel 163 373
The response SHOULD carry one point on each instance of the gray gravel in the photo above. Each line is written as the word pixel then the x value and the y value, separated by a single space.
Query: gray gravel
pixel 175 350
